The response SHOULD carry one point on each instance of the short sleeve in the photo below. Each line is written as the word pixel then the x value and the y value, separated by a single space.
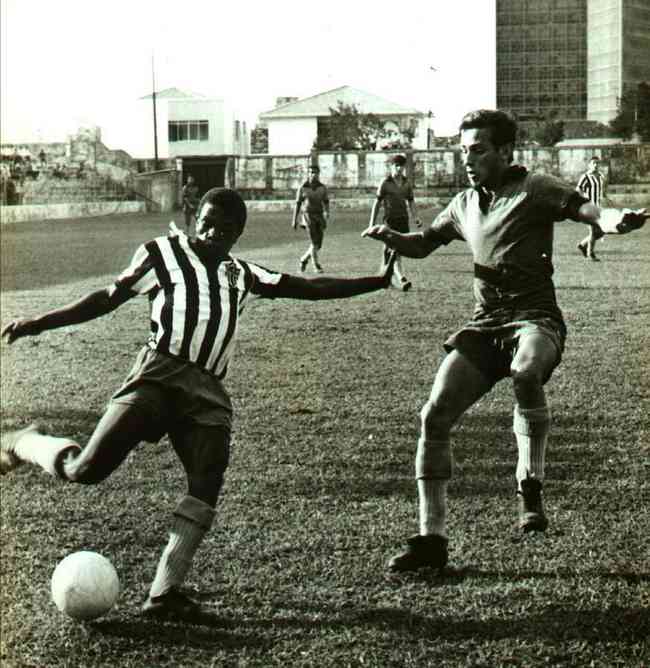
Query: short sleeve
pixel 552 195
pixel 447 224
pixel 140 276
pixel 262 282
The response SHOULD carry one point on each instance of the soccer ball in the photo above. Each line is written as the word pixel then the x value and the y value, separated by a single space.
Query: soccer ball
pixel 85 585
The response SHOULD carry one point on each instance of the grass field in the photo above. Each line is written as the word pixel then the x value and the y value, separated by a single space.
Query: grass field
pixel 320 491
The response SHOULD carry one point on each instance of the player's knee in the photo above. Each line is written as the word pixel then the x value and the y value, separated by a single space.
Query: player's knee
pixel 433 460
pixel 527 374
pixel 437 417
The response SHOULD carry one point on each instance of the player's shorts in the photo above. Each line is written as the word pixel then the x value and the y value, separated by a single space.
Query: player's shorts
pixel 175 393
pixel 316 225
pixel 491 348
pixel 400 224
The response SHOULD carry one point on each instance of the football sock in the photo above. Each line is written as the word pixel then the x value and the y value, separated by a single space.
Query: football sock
pixel 531 427
pixel 192 520
pixel 433 506
pixel 45 451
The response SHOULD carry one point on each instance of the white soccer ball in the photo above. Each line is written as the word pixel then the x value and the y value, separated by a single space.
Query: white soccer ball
pixel 85 585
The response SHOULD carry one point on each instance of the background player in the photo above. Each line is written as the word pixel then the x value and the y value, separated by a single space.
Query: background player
pixel 395 193
pixel 592 185
pixel 190 202
pixel 517 329
pixel 315 217
pixel 197 292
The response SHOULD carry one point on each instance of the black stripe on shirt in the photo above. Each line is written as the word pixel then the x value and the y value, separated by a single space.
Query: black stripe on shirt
pixel 215 315
pixel 164 279
pixel 233 295
pixel 191 318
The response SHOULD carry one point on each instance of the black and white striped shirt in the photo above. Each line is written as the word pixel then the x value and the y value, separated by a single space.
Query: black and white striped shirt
pixel 591 186
pixel 195 306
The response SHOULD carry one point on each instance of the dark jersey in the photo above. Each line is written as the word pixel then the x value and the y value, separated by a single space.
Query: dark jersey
pixel 315 194
pixel 395 193
pixel 511 239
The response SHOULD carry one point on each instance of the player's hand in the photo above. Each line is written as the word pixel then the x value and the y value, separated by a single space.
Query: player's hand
pixel 387 270
pixel 632 220
pixel 377 232
pixel 19 328
pixel 418 222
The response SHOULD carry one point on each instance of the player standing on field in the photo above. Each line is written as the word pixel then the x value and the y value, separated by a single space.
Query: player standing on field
pixel 506 217
pixel 190 202
pixel 592 186
pixel 396 194
pixel 315 217
pixel 197 292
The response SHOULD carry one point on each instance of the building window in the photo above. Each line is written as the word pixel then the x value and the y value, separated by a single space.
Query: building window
pixel 188 131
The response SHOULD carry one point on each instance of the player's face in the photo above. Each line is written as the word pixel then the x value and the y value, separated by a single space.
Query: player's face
pixel 593 166
pixel 483 161
pixel 313 175
pixel 216 233
pixel 396 170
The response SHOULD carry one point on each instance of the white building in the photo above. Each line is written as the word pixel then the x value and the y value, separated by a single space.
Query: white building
pixel 187 124
pixel 294 126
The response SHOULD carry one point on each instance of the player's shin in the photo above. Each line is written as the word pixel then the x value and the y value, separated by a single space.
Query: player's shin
pixel 433 465
pixel 192 520
pixel 531 427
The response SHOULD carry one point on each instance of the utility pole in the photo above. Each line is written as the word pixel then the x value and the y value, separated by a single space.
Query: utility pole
pixel 155 123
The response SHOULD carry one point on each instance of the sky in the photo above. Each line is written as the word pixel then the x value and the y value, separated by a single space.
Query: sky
pixel 73 63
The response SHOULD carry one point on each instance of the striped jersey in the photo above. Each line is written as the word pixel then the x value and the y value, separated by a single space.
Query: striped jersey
pixel 195 305
pixel 591 186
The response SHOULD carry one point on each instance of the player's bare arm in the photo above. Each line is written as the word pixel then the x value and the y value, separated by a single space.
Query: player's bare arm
pixel 93 305
pixel 296 208
pixel 612 221
pixel 326 287
pixel 414 244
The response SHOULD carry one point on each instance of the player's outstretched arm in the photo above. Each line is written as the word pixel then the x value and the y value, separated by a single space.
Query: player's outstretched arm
pixel 93 305
pixel 414 244
pixel 327 287
pixel 613 221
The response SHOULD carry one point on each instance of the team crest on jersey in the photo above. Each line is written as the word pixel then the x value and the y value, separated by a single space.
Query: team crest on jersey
pixel 232 274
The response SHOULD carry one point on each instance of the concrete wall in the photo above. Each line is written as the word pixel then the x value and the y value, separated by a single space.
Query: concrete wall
pixel 436 168
pixel 159 190
pixel 23 214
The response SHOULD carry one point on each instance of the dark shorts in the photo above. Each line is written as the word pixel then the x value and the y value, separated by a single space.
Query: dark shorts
pixel 491 348
pixel 175 393
pixel 398 224
pixel 316 226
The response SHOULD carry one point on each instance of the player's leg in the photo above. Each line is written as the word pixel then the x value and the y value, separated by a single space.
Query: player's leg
pixel 306 256
pixel 316 236
pixel 119 430
pixel 536 357
pixel 458 385
pixel 204 453
pixel 593 237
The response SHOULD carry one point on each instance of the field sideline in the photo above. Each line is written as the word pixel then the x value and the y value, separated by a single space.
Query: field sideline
pixel 320 491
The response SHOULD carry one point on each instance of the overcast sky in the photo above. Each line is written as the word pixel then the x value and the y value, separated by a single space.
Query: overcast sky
pixel 82 62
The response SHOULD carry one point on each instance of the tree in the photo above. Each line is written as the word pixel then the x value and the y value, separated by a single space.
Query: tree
pixel 348 129
pixel 633 115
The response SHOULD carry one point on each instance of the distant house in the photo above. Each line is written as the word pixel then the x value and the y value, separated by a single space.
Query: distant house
pixel 294 126
pixel 189 124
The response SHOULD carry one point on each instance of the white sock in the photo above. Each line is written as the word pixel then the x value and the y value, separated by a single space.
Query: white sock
pixel 432 494
pixel 192 520
pixel 43 450
pixel 531 427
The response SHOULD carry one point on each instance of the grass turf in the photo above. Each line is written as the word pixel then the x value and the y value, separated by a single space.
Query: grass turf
pixel 320 491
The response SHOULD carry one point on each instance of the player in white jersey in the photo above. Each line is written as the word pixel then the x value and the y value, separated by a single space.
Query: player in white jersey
pixel 592 186
pixel 197 292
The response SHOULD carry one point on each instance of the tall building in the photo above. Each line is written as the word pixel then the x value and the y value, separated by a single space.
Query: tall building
pixel 618 53
pixel 542 57
pixel 570 58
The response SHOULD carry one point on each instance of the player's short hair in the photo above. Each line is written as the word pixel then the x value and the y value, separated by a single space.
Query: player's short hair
pixel 229 202
pixel 502 126
pixel 594 157
pixel 398 160
pixel 314 168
